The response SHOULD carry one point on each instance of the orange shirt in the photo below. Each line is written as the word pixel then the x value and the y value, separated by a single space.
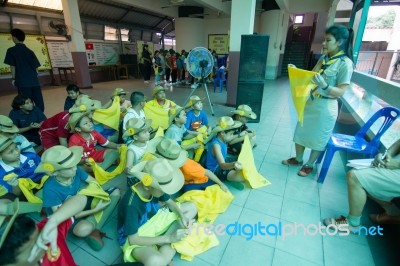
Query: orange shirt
pixel 193 172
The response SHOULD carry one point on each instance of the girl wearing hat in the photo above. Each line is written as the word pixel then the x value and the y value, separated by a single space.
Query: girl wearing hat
pixel 217 151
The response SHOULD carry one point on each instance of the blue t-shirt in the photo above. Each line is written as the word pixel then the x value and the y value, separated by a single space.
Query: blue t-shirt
pixel 21 120
pixel 55 193
pixel 212 163
pixel 176 133
pixel 26 63
pixel 194 122
pixel 28 163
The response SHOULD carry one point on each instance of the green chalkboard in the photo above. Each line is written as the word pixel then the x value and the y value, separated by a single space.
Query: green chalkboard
pixel 36 43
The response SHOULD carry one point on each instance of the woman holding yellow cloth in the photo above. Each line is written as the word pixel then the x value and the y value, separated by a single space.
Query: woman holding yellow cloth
pixel 334 71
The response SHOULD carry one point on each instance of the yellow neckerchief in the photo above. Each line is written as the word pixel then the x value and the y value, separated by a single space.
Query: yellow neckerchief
pixel 134 189
pixel 327 62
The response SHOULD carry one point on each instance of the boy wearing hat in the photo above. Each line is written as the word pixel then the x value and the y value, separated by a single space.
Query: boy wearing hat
pixel 177 130
pixel 196 117
pixel 60 163
pixel 124 103
pixel 143 224
pixel 54 130
pixel 9 130
pixel 13 162
pixel 86 137
pixel 138 132
pixel 242 114
pixel 159 99
pixel 196 176
pixel 217 151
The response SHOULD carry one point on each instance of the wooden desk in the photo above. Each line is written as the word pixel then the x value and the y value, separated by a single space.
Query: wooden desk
pixel 124 68
pixel 108 70
pixel 63 73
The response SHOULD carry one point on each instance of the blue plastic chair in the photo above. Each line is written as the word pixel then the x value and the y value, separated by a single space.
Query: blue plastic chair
pixel 219 79
pixel 359 142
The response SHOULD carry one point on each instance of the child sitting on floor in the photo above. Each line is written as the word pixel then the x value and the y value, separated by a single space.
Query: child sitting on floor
pixel 242 114
pixel 9 130
pixel 60 163
pixel 73 93
pixel 86 137
pixel 196 117
pixel 138 130
pixel 13 162
pixel 140 211
pixel 217 152
pixel 159 99
pixel 177 130
pixel 123 102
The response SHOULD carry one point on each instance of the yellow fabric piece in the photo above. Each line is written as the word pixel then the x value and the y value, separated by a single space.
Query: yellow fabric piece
pixel 300 86
pixel 156 226
pixel 199 139
pixel 148 156
pixel 101 175
pixel 26 185
pixel 195 243
pixel 159 133
pixel 159 116
pixel 110 116
pixel 95 190
pixel 209 202
pixel 249 171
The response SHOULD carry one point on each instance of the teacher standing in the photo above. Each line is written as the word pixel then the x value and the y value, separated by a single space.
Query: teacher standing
pixel 147 63
pixel 334 70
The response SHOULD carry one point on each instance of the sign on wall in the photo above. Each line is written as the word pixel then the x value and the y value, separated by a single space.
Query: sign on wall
pixel 34 42
pixel 60 54
pixel 219 43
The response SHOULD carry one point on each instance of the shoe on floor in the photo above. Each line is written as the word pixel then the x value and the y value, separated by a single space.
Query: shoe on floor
pixel 342 224
pixel 95 240
pixel 292 161
pixel 305 170
pixel 384 218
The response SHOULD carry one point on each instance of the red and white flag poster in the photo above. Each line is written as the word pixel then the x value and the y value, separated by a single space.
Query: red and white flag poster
pixel 89 46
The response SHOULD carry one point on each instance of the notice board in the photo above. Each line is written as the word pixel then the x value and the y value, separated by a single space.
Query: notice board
pixel 219 43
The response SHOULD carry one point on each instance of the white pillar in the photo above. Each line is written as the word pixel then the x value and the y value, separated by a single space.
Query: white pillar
pixel 189 33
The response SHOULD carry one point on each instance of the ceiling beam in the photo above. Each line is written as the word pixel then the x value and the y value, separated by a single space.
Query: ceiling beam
pixel 219 6
pixel 153 6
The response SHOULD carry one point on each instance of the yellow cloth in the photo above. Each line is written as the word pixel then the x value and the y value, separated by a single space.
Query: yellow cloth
pixel 156 226
pixel 101 175
pixel 94 190
pixel 159 133
pixel 158 116
pixel 300 86
pixel 200 140
pixel 249 171
pixel 26 185
pixel 195 243
pixel 110 116
pixel 209 202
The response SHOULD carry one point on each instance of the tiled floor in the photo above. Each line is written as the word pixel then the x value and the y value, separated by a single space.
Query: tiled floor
pixel 289 199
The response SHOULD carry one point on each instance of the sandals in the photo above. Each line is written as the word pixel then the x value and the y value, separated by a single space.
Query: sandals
pixel 292 161
pixel 305 170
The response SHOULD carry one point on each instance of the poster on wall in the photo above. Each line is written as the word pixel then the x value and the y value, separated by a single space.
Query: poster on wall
pixel 219 43
pixel 60 54
pixel 139 46
pixel 36 43
pixel 129 48
pixel 102 53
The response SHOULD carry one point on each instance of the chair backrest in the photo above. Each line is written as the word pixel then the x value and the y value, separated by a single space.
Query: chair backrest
pixel 389 115
pixel 221 74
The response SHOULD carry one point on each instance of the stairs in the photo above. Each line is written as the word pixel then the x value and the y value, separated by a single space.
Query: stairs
pixel 296 54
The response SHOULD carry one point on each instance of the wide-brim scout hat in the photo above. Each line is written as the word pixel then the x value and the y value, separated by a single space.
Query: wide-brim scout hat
pixel 225 123
pixel 84 103
pixel 6 221
pixel 160 174
pixel 4 142
pixel 7 125
pixel 75 118
pixel 157 89
pixel 245 110
pixel 119 91
pixel 59 157
pixel 192 101
pixel 168 149
pixel 173 112
pixel 136 125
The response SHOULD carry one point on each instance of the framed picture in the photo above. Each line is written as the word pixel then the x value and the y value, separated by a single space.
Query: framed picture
pixel 219 43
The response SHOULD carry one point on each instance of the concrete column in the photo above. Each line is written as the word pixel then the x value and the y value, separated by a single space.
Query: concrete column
pixel 78 50
pixel 242 22
pixel 272 23
pixel 189 33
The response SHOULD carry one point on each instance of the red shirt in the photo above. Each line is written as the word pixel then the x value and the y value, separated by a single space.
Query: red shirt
pixel 172 59
pixel 54 128
pixel 89 147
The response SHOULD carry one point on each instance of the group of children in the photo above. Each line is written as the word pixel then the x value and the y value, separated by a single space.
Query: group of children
pixel 156 168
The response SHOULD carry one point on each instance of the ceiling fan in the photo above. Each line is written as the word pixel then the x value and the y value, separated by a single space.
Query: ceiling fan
pixel 174 3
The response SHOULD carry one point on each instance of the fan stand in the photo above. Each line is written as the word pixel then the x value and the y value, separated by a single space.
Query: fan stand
pixel 203 82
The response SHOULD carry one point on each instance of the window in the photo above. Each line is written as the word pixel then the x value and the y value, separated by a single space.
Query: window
pixel 124 35
pixel 110 33
pixel 299 19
